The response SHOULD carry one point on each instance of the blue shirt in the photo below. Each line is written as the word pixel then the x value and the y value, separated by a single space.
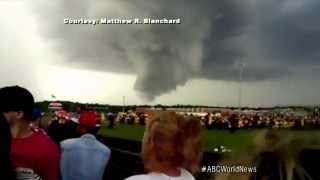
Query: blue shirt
pixel 83 158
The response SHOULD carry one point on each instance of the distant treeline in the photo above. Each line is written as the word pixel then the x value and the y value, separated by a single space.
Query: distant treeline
pixel 72 106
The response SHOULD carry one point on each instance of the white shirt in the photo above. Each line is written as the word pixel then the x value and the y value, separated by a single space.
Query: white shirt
pixel 185 175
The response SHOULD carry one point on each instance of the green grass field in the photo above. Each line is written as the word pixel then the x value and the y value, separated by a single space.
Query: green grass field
pixel 239 142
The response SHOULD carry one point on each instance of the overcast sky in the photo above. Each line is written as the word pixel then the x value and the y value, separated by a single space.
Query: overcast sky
pixel 195 62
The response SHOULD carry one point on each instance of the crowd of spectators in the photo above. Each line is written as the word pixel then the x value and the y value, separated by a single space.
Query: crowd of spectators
pixel 69 150
pixel 258 121
pixel 235 120
pixel 66 151
pixel 132 117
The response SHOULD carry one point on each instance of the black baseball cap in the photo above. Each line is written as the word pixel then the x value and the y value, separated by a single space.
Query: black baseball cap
pixel 16 98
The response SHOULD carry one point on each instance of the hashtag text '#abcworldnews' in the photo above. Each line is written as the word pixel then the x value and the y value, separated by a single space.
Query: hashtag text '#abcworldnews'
pixel 229 169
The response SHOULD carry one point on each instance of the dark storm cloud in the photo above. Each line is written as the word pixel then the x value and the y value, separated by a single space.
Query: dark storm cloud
pixel 215 36
pixel 291 33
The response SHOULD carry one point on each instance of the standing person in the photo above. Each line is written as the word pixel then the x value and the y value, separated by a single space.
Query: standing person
pixel 85 157
pixel 233 123
pixel 54 130
pixel 142 119
pixel 6 169
pixel 111 118
pixel 206 120
pixel 170 146
pixel 34 155
pixel 37 117
pixel 62 129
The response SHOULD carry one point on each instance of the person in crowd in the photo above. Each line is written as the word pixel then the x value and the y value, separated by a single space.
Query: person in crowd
pixel 63 127
pixel 233 123
pixel 131 119
pixel 85 157
pixel 170 147
pixel 68 130
pixel 34 155
pixel 36 124
pixel 206 120
pixel 58 130
pixel 98 117
pixel 36 116
pixel 111 117
pixel 6 168
pixel 142 118
pixel 122 118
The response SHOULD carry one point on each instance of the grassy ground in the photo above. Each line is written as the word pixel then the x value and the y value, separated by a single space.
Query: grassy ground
pixel 240 141
pixel 131 132
pixel 211 138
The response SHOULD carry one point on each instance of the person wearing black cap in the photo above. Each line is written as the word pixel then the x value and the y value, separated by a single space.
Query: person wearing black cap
pixel 34 155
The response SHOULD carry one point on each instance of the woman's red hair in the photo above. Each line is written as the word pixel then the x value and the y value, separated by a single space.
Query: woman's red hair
pixel 171 140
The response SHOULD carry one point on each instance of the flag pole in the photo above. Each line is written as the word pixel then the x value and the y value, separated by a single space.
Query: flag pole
pixel 123 103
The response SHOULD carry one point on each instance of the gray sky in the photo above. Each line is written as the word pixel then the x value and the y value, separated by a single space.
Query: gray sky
pixel 195 62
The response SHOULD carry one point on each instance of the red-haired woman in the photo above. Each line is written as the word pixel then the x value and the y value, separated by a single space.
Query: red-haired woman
pixel 171 147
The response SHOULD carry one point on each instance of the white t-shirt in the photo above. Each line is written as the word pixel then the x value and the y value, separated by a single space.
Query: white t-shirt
pixel 185 175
